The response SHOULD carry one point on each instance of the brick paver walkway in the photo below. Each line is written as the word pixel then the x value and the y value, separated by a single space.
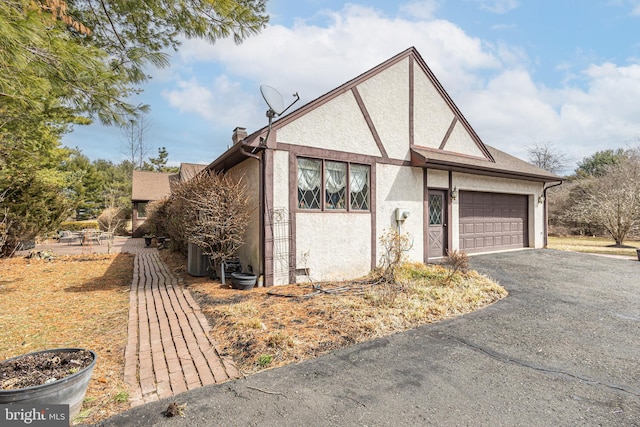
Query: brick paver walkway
pixel 169 350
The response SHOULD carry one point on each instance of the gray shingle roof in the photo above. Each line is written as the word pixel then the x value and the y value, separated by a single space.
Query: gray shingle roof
pixel 504 164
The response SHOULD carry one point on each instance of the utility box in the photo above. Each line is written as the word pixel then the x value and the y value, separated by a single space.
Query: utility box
pixel 197 262
pixel 402 214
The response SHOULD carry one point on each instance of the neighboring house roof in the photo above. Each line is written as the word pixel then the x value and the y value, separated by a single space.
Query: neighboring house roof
pixel 157 185
pixel 494 162
pixel 189 170
pixel 150 185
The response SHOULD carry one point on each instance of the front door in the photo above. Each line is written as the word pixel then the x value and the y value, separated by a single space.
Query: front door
pixel 437 226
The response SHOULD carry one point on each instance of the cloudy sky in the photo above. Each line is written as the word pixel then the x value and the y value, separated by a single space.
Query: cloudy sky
pixel 523 72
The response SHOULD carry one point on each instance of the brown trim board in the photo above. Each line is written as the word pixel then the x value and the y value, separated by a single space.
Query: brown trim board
pixel 425 215
pixel 367 118
pixel 411 101
pixel 448 134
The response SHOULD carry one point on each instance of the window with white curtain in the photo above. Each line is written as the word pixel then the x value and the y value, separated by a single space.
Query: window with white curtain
pixel 309 179
pixel 346 186
pixel 359 187
pixel 335 185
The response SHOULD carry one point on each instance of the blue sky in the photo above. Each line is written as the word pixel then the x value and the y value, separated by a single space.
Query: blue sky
pixel 523 72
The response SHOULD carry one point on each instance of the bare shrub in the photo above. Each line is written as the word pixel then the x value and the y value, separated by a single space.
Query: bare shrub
pixel 396 246
pixel 455 261
pixel 215 213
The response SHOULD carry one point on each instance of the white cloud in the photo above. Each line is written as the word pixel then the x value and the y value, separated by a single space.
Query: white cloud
pixel 217 103
pixel 497 6
pixel 491 84
pixel 424 9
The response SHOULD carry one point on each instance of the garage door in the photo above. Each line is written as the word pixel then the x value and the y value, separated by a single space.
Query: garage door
pixel 492 221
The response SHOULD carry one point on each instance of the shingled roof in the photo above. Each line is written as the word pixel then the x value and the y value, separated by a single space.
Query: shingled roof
pixel 150 185
pixel 504 165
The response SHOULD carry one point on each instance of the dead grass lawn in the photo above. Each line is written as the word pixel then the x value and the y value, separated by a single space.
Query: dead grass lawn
pixel 72 301
pixel 594 245
pixel 82 301
pixel 262 328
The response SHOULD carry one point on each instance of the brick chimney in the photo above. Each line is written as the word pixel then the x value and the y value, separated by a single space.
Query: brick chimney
pixel 238 135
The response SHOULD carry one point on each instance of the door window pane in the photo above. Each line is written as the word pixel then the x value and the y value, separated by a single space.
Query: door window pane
pixel 435 209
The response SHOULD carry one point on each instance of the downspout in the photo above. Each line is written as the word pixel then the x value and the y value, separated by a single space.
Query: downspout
pixel 262 197
pixel 546 212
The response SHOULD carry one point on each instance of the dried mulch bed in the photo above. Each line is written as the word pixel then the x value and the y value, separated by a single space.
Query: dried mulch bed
pixel 71 302
pixel 270 327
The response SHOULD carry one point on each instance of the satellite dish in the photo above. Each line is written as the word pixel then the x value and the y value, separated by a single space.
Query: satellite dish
pixel 275 102
pixel 273 99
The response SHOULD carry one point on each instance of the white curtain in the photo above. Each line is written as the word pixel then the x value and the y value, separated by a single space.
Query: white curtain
pixel 308 174
pixel 336 176
pixel 359 177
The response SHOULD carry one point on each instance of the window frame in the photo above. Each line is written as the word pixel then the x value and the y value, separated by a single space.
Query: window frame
pixel 323 188
pixel 142 205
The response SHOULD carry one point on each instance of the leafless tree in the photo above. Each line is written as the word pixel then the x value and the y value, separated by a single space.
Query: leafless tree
pixel 110 220
pixel 136 145
pixel 612 200
pixel 546 156
pixel 216 214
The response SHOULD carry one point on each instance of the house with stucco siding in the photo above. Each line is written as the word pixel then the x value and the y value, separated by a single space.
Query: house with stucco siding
pixel 386 150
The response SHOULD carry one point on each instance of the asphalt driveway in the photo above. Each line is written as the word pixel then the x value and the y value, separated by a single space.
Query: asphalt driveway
pixel 562 349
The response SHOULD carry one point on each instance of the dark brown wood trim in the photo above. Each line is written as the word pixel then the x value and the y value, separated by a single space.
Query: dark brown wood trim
pixel 452 105
pixel 448 134
pixel 425 215
pixel 342 156
pixel 483 172
pixel 293 207
pixel 449 206
pixel 373 211
pixel 338 91
pixel 367 118
pixel 412 95
pixel 267 172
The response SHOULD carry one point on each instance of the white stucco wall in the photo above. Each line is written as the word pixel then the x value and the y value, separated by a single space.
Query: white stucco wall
pixel 249 253
pixel 461 142
pixel 431 113
pixel 437 179
pixel 386 96
pixel 336 125
pixel 400 187
pixel 333 246
pixel 533 189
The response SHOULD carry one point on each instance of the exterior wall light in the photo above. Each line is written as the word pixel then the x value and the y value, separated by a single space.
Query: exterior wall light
pixel 454 193
pixel 541 199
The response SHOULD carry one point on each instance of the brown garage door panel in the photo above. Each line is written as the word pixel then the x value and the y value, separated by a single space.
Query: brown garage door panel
pixel 492 221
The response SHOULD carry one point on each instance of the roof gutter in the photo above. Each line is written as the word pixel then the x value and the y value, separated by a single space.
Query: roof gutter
pixel 546 210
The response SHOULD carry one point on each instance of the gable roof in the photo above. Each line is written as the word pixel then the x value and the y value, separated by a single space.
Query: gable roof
pixel 150 185
pixel 493 161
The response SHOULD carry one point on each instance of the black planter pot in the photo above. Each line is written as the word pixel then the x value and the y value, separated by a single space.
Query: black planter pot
pixel 147 241
pixel 69 390
pixel 243 281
